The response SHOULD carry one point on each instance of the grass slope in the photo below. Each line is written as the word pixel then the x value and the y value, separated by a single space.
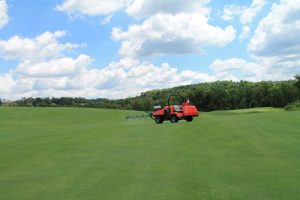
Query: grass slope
pixel 73 153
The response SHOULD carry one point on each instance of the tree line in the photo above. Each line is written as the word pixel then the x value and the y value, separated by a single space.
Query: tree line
pixel 220 95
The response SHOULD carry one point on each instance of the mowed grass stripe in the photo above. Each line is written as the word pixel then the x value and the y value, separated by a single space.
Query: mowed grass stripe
pixel 75 153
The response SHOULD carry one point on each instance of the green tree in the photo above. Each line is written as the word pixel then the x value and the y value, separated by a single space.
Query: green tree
pixel 297 84
pixel 220 95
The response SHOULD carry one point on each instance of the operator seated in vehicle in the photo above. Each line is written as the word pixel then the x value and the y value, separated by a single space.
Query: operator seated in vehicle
pixel 177 108
pixel 186 103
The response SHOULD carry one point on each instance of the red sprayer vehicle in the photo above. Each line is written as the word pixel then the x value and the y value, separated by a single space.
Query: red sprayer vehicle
pixel 174 113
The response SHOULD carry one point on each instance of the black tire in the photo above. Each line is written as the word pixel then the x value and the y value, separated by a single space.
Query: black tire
pixel 158 119
pixel 189 119
pixel 174 119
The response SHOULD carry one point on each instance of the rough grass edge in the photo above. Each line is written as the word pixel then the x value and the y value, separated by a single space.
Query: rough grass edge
pixel 295 106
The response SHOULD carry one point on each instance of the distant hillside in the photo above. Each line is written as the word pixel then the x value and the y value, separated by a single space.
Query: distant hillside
pixel 220 95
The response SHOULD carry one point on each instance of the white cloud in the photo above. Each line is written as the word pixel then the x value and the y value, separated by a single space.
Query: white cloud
pixel 274 48
pixel 6 83
pixel 56 67
pixel 45 70
pixel 172 34
pixel 146 8
pixel 239 69
pixel 106 20
pixel 91 7
pixel 39 48
pixel 276 40
pixel 259 69
pixel 245 14
pixel 128 77
pixel 231 11
pixel 250 13
pixel 144 75
pixel 245 32
pixel 278 33
pixel 135 8
pixel 3 13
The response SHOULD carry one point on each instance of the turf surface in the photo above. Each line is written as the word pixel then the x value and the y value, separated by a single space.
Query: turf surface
pixel 73 153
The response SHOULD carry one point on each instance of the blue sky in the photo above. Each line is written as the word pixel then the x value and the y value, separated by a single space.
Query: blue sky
pixel 119 48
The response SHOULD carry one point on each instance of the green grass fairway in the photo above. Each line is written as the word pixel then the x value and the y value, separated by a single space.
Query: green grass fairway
pixel 73 153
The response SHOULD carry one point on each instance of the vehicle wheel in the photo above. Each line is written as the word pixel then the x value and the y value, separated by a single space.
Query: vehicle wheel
pixel 189 119
pixel 158 119
pixel 174 119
